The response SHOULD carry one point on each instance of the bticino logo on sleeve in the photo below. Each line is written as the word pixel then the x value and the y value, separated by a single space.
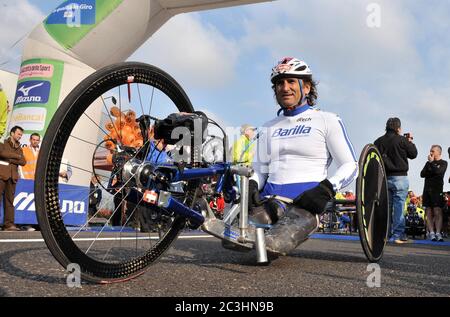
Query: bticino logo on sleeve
pixel 31 92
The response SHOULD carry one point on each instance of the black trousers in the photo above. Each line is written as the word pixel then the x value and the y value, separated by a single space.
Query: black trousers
pixel 8 188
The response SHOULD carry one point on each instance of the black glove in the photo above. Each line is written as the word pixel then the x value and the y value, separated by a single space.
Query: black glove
pixel 315 200
pixel 253 195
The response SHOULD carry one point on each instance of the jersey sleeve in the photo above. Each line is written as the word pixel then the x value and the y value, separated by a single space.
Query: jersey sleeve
pixel 261 160
pixel 342 152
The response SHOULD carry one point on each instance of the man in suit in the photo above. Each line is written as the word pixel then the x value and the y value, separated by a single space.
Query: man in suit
pixel 11 156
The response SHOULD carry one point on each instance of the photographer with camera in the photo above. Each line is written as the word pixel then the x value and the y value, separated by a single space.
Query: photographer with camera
pixel 433 200
pixel 395 150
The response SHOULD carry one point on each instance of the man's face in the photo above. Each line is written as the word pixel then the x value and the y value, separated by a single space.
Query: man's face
pixel 16 136
pixel 435 153
pixel 288 93
pixel 34 141
pixel 250 133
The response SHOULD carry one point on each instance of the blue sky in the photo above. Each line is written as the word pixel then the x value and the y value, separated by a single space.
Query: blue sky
pixel 223 59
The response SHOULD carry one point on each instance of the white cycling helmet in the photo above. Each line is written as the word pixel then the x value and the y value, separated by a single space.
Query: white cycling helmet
pixel 290 67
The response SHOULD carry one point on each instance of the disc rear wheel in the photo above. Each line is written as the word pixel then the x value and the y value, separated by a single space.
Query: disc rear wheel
pixel 372 203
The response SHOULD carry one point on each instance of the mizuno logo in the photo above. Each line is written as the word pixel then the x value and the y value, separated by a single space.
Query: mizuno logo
pixel 26 91
pixel 33 92
pixel 25 202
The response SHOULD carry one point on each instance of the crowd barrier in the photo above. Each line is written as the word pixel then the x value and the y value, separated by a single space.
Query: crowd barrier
pixel 73 200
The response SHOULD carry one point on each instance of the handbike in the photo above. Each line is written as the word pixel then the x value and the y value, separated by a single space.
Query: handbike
pixel 90 122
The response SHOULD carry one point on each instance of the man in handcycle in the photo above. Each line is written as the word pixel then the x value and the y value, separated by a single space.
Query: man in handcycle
pixel 294 152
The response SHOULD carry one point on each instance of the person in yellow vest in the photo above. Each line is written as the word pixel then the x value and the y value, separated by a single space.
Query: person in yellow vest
pixel 4 110
pixel 244 147
pixel 31 153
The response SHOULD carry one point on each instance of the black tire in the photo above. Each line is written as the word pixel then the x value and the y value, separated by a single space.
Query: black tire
pixel 50 219
pixel 372 203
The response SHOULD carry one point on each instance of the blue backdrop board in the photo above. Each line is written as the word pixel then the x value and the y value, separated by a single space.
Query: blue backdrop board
pixel 73 201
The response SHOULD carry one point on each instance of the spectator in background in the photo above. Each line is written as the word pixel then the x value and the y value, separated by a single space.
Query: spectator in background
pixel 420 201
pixel 28 171
pixel 448 150
pixel 65 171
pixel 243 148
pixel 395 150
pixel 31 153
pixel 95 196
pixel 349 195
pixel 11 156
pixel 446 213
pixel 410 196
pixel 4 110
pixel 433 200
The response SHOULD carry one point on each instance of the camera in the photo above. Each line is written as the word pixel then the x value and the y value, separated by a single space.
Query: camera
pixel 195 123
pixel 408 136
pixel 173 130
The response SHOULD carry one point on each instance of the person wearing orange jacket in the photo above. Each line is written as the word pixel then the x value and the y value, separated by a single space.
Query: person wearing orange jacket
pixel 31 153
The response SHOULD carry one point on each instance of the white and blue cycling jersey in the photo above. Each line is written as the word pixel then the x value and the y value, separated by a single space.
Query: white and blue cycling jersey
pixel 295 150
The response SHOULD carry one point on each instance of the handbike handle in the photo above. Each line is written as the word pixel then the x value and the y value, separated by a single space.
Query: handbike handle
pixel 241 170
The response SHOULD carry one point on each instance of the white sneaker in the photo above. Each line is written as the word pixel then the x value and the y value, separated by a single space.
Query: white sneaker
pixel 439 237
pixel 28 228
pixel 432 236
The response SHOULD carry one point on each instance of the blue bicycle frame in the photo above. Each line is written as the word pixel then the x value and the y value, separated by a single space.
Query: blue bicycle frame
pixel 224 184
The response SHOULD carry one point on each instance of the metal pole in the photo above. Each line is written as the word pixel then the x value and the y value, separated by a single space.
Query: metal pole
pixel 260 245
pixel 243 223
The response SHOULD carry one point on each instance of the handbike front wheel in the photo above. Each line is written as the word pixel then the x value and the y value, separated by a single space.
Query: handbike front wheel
pixel 96 120
pixel 372 203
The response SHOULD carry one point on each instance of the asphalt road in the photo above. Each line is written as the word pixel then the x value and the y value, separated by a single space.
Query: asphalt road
pixel 201 267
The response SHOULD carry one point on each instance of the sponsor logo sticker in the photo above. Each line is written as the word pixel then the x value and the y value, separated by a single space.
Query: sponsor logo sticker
pixel 83 12
pixel 24 201
pixel 34 91
pixel 299 130
pixel 30 118
pixel 36 70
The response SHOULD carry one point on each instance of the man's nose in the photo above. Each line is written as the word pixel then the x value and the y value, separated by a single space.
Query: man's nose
pixel 285 86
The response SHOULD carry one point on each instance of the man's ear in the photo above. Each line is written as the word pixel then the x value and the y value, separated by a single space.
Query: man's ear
pixel 307 87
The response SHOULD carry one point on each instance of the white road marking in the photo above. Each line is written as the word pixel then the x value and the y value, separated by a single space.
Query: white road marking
pixel 102 239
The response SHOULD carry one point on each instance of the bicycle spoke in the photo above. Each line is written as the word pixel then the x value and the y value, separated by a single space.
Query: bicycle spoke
pixel 103 228
pixel 95 123
pixel 140 99
pixel 120 116
pixel 109 115
pixel 124 225
pixel 115 174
